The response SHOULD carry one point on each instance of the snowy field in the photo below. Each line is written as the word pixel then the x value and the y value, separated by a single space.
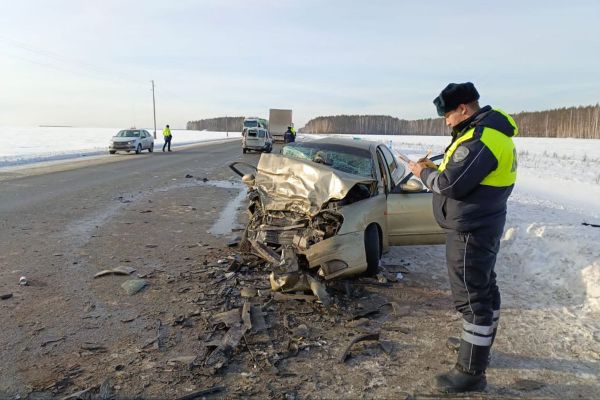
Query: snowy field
pixel 25 145
pixel 546 246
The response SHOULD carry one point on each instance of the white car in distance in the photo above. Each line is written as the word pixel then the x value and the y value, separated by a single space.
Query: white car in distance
pixel 131 140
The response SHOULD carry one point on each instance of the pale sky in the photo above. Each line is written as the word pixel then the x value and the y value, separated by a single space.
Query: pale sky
pixel 90 63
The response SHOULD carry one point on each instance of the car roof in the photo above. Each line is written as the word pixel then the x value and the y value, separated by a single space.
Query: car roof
pixel 349 142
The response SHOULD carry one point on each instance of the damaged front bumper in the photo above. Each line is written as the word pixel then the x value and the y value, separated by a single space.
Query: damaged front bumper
pixel 296 213
pixel 339 256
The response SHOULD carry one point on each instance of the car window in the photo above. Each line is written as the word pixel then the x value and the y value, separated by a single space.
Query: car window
pixel 395 169
pixel 129 133
pixel 252 133
pixel 261 134
pixel 343 158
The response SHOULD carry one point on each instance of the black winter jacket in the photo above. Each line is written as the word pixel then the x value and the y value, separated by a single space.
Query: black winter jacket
pixel 460 202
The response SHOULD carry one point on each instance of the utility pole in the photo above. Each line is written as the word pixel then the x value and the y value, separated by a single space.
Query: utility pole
pixel 226 126
pixel 154 108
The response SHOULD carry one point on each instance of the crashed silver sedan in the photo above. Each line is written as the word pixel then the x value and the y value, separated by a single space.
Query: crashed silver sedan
pixel 333 206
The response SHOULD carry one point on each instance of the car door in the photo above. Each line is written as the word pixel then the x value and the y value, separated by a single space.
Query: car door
pixel 149 139
pixel 252 137
pixel 409 214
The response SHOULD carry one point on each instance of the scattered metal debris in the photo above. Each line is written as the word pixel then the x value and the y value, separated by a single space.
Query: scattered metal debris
pixel 201 393
pixel 278 296
pixel 133 286
pixel 5 296
pixel 248 292
pixel 234 242
pixel 361 338
pixel 52 340
pixel 94 347
pixel 592 225
pixel 120 270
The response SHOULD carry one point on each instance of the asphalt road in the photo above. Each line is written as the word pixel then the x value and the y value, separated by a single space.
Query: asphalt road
pixel 62 223
pixel 56 186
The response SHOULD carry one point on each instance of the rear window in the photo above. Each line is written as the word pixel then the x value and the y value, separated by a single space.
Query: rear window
pixel 261 134
pixel 252 133
pixel 251 124
pixel 346 159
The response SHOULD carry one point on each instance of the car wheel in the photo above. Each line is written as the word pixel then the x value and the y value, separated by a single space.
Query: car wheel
pixel 112 151
pixel 151 148
pixel 372 249
pixel 244 151
pixel 269 149
pixel 138 150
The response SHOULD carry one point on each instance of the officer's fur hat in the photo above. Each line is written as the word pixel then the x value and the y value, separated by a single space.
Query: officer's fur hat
pixel 453 95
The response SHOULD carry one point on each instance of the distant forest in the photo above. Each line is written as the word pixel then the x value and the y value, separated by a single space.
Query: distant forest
pixel 575 122
pixel 220 124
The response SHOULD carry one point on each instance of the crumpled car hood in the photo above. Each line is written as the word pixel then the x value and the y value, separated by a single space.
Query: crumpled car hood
pixel 303 186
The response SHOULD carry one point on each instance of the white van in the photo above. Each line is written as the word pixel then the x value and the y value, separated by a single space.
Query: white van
pixel 257 139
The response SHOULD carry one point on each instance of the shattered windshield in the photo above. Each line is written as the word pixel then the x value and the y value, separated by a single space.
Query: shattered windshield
pixel 128 133
pixel 343 158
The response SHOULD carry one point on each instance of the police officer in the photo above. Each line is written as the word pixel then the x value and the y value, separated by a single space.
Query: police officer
pixel 167 136
pixel 288 136
pixel 470 189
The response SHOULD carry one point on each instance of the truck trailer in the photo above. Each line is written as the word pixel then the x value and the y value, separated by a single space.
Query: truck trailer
pixel 279 121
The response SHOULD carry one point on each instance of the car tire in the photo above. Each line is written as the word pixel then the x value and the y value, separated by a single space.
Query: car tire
pixel 269 149
pixel 372 249
pixel 151 148
pixel 138 149
pixel 244 151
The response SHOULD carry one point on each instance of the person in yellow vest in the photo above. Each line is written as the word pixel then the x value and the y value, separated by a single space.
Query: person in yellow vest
pixel 167 136
pixel 470 190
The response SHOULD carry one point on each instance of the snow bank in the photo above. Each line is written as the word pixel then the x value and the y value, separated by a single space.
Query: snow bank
pixel 554 259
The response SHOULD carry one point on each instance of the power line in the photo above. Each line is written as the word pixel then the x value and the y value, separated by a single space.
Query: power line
pixel 47 55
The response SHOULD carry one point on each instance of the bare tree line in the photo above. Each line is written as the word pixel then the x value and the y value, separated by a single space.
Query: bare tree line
pixel 220 124
pixel 574 122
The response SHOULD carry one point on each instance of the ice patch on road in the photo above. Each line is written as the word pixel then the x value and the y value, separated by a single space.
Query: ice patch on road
pixel 227 220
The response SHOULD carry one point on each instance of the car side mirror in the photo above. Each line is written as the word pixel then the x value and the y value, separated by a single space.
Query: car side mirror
pixel 248 179
pixel 412 186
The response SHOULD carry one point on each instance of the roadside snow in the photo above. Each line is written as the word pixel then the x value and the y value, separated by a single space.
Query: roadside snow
pixel 26 145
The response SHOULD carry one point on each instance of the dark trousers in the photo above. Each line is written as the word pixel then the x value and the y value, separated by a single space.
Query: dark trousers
pixel 471 258
pixel 167 143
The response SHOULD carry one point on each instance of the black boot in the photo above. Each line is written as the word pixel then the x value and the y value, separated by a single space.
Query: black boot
pixel 458 381
pixel 469 373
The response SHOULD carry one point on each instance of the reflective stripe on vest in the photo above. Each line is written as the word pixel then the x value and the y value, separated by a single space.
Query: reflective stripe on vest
pixel 503 149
